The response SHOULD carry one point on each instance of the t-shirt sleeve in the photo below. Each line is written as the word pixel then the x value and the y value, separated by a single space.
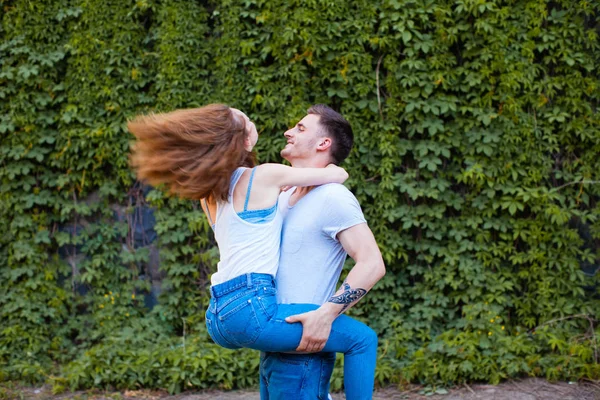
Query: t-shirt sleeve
pixel 341 210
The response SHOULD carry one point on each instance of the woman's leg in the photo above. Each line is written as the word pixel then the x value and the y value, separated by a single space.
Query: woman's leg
pixel 248 316
pixel 356 340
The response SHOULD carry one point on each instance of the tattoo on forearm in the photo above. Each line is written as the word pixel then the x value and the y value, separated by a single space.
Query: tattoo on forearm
pixel 348 297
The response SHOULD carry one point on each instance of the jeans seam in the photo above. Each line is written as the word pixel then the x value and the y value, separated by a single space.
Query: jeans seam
pixel 261 369
pixel 322 378
pixel 263 308
pixel 306 371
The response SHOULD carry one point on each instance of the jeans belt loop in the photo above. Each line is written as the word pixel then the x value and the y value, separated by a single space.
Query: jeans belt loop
pixel 249 279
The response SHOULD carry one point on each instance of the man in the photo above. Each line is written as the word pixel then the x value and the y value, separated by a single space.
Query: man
pixel 322 225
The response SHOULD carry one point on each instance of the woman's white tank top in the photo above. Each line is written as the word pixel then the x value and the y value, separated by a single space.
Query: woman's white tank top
pixel 244 246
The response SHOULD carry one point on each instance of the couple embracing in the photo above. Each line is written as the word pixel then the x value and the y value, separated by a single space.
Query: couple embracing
pixel 281 252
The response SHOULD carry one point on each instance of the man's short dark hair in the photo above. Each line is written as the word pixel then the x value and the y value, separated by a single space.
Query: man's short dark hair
pixel 337 128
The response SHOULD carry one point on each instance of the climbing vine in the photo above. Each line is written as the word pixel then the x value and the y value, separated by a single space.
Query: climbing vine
pixel 476 164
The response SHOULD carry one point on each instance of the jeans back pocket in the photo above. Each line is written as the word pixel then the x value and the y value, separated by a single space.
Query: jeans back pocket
pixel 239 322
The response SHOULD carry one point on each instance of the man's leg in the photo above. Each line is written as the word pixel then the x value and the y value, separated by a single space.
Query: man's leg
pixel 356 340
pixel 264 388
pixel 295 376
pixel 327 362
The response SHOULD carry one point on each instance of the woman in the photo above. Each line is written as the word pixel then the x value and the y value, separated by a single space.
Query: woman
pixel 206 154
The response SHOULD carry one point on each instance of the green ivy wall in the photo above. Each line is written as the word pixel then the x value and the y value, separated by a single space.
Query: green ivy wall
pixel 476 163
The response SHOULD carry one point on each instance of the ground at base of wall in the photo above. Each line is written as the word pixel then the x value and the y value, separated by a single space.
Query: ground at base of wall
pixel 527 389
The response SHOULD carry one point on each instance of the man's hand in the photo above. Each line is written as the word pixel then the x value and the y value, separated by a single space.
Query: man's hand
pixel 316 326
pixel 360 244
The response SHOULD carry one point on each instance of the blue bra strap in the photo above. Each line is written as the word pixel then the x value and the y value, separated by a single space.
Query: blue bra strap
pixel 249 188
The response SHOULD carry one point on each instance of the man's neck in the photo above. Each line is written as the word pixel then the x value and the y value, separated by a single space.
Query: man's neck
pixel 302 191
pixel 302 163
pixel 299 193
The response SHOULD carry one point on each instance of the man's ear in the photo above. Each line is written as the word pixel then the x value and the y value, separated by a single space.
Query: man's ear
pixel 323 143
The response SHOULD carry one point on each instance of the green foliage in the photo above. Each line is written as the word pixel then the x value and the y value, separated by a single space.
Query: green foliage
pixel 142 354
pixel 476 163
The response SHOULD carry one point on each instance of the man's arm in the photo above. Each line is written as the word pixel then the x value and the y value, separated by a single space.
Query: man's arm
pixel 358 241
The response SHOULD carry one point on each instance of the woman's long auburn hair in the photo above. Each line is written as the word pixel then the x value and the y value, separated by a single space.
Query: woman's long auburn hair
pixel 193 151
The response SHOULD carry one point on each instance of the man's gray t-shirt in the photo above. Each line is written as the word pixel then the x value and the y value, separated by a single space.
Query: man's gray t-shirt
pixel 312 257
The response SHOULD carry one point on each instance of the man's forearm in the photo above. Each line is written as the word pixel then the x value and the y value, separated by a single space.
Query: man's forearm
pixel 359 243
pixel 360 280
pixel 346 296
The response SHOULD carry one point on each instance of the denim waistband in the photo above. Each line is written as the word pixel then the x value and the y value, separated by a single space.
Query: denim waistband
pixel 246 280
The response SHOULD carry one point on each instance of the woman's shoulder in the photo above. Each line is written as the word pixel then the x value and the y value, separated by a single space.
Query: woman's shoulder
pixel 239 171
pixel 268 167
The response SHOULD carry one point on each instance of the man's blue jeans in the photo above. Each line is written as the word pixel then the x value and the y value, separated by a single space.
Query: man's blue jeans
pixel 286 376
pixel 243 312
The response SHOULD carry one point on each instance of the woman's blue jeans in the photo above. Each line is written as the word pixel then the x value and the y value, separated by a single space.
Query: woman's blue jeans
pixel 243 312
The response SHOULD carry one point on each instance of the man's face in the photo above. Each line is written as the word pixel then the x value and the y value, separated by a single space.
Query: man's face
pixel 302 139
